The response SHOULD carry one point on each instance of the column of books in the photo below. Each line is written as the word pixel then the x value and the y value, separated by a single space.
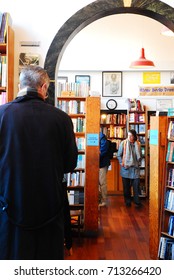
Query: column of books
pixel 166 244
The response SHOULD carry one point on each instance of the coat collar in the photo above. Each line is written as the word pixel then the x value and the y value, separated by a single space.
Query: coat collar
pixel 27 93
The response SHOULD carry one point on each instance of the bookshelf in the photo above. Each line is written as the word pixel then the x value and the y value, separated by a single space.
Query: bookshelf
pixel 137 120
pixel 82 183
pixel 113 125
pixel 7 74
pixel 157 144
pixel 166 233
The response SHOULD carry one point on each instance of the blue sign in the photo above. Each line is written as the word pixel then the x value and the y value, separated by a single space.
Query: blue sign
pixel 92 139
pixel 153 136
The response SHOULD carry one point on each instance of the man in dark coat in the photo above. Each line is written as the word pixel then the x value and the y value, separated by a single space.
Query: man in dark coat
pixel 104 164
pixel 37 146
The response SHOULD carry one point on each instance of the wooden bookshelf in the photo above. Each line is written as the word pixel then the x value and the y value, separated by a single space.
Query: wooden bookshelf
pixel 90 151
pixel 113 125
pixel 7 49
pixel 166 226
pixel 157 144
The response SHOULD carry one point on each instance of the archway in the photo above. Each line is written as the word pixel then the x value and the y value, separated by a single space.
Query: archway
pixel 154 9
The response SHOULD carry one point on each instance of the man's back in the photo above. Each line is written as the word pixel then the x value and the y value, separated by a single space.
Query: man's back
pixel 37 146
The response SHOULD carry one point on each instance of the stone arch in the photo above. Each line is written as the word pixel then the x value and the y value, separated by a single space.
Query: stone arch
pixel 154 9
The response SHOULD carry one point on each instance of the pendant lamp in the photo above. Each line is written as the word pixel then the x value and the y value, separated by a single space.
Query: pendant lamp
pixel 142 62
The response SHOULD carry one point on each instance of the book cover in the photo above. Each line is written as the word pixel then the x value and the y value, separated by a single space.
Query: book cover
pixel 141 128
pixel 6 21
pixel 3 70
pixel 171 226
pixel 168 151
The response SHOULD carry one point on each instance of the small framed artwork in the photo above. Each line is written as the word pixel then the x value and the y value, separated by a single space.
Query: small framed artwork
pixel 164 104
pixel 26 59
pixel 112 84
pixel 82 79
pixel 62 79
pixel 172 77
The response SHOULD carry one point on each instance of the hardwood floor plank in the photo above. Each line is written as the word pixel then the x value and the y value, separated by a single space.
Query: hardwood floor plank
pixel 123 234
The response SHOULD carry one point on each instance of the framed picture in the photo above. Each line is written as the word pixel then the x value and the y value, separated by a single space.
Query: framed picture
pixel 28 59
pixel 112 84
pixel 164 104
pixel 172 77
pixel 82 78
pixel 62 79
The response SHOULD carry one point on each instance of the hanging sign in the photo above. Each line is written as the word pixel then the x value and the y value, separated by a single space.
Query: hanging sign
pixel 155 91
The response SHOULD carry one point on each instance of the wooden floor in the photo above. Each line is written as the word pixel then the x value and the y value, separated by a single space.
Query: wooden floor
pixel 123 234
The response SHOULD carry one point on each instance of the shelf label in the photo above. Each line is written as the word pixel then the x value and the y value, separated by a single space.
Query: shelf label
pixel 153 136
pixel 92 139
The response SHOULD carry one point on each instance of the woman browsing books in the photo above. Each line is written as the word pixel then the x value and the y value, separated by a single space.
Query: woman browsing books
pixel 129 156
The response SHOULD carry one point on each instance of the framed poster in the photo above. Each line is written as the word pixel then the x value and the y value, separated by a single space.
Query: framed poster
pixel 28 59
pixel 82 79
pixel 164 104
pixel 62 79
pixel 112 84
pixel 172 77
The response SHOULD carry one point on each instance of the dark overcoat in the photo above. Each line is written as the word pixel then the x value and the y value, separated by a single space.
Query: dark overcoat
pixel 37 146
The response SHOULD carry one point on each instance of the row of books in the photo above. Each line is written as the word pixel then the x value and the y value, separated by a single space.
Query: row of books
pixel 170 134
pixel 114 131
pixel 72 106
pixel 5 21
pixel 3 70
pixel 142 172
pixel 135 105
pixel 80 142
pixel 142 190
pixel 139 128
pixel 142 150
pixel 170 179
pixel 75 197
pixel 166 249
pixel 136 117
pixel 3 97
pixel 80 161
pixel 141 139
pixel 117 141
pixel 169 200
pixel 78 124
pixel 142 162
pixel 73 89
pixel 113 119
pixel 75 179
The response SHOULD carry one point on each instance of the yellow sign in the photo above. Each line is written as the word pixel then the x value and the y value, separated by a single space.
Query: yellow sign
pixel 155 91
pixel 151 78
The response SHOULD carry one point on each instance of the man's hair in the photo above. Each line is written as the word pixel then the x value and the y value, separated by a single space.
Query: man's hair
pixel 33 76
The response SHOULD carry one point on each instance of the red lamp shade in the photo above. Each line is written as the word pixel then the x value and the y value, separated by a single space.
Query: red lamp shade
pixel 142 61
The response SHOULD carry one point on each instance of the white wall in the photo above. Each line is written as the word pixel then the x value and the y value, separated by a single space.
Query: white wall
pixel 110 43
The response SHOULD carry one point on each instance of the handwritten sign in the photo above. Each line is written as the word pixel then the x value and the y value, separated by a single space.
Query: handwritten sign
pixel 155 91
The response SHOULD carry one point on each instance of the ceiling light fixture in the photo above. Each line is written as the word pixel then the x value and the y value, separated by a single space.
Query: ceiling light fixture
pixel 142 62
